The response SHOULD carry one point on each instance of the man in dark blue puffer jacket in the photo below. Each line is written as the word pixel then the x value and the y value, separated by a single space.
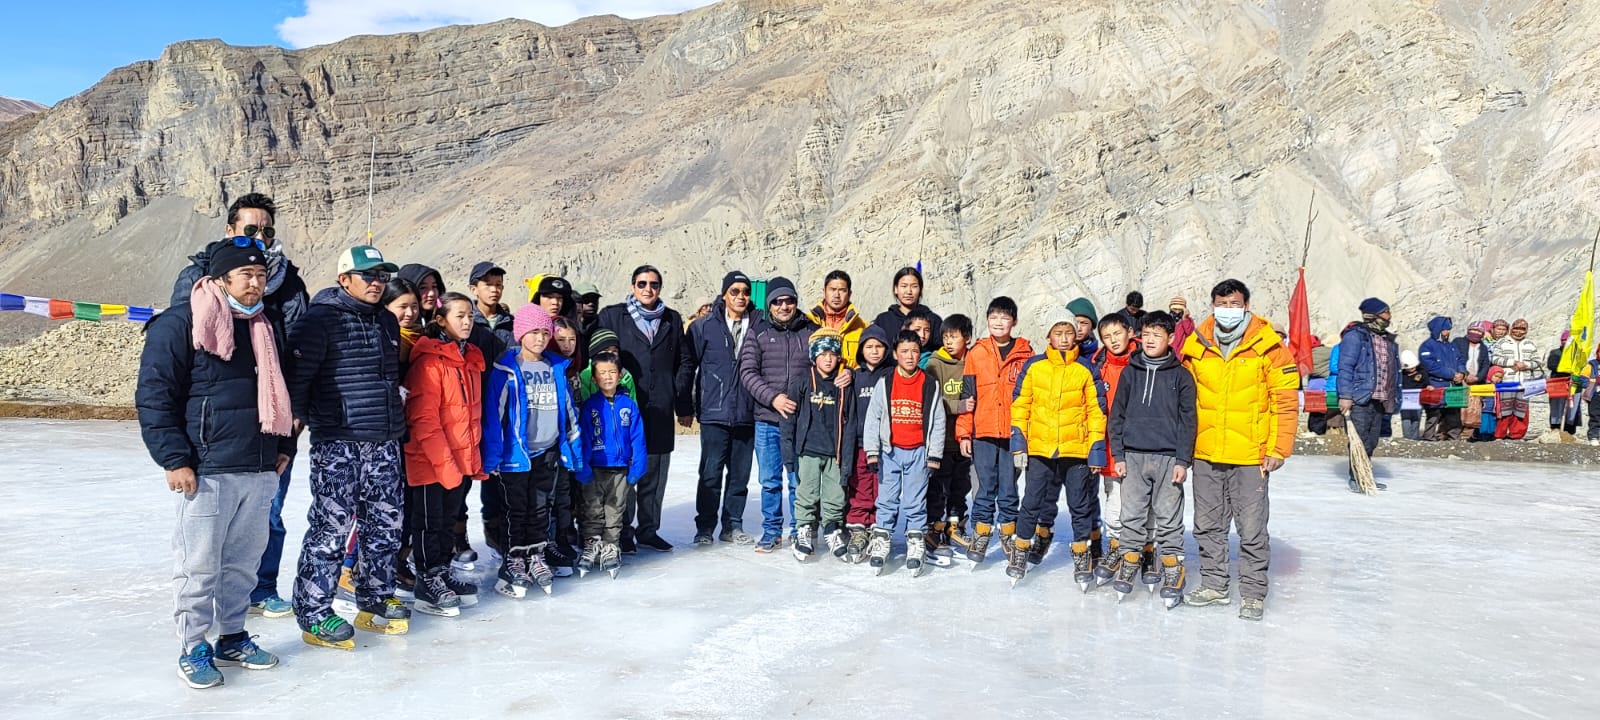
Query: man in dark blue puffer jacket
pixel 201 384
pixel 344 384
pixel 1369 377
pixel 708 372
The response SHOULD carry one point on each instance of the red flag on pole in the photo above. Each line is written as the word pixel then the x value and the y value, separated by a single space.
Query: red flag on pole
pixel 1300 326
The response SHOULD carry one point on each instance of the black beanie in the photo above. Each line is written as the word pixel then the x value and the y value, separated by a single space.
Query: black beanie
pixel 732 279
pixel 231 257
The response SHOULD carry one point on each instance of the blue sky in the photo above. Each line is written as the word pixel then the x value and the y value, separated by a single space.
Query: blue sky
pixel 54 50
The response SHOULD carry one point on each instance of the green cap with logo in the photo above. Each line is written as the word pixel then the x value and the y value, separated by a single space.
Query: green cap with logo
pixel 364 257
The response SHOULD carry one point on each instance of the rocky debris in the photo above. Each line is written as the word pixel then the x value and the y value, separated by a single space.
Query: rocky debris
pixel 79 362
pixel 1553 448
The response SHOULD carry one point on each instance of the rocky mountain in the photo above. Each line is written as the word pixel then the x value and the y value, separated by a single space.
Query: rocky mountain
pixel 12 108
pixel 1030 147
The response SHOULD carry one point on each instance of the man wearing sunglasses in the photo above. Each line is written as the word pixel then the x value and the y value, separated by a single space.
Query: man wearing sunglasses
pixel 250 225
pixel 708 373
pixel 650 336
pixel 344 385
pixel 778 351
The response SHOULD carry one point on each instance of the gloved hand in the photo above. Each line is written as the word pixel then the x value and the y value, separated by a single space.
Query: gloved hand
pixel 872 466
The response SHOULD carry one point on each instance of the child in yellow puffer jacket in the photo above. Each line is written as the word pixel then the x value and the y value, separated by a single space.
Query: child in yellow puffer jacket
pixel 1058 428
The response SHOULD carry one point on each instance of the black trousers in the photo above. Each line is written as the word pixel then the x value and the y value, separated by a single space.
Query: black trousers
pixel 1045 480
pixel 564 504
pixel 430 519
pixel 949 486
pixel 730 449
pixel 1368 420
pixel 527 498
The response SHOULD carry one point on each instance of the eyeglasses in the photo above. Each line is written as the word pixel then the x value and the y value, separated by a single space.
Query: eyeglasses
pixel 244 242
pixel 785 301
pixel 739 292
pixel 373 276
pixel 652 284
pixel 267 231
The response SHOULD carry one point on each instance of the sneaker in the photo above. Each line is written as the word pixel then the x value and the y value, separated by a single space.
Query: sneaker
pixel 1206 596
pixel 271 606
pixel 656 543
pixel 198 669
pixel 240 650
pixel 1251 609
pixel 769 543
pixel 702 539
pixel 628 546
pixel 737 537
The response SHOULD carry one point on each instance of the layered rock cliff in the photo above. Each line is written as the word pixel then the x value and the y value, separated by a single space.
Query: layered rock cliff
pixel 12 108
pixel 1041 149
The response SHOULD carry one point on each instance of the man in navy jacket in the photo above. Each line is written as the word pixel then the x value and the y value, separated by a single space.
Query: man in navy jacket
pixel 708 372
pixel 1369 376
pixel 1444 367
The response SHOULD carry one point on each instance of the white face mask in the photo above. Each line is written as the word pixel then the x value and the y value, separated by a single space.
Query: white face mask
pixel 1229 318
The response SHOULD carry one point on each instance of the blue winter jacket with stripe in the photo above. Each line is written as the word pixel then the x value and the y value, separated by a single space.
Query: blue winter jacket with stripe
pixel 505 419
pixel 613 436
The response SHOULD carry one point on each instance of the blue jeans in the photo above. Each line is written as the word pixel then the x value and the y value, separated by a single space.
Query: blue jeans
pixel 272 557
pixel 903 489
pixel 997 500
pixel 769 462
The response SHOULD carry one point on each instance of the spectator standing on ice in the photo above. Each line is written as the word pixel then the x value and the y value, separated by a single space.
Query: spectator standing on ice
pixel 214 413
pixel 1369 377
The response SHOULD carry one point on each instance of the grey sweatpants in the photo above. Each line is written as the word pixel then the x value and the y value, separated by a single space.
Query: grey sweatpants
pixel 1152 502
pixel 1237 495
pixel 216 547
pixel 820 492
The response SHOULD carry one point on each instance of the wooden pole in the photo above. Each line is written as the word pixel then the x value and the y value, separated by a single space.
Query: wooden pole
pixel 1311 218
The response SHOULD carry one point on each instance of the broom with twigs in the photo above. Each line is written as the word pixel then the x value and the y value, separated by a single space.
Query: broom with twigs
pixel 1360 464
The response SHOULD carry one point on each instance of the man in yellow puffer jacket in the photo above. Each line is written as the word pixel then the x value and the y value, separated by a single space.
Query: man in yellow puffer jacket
pixel 1246 395
pixel 1058 427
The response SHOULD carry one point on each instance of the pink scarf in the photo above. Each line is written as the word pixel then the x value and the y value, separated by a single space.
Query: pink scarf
pixel 213 333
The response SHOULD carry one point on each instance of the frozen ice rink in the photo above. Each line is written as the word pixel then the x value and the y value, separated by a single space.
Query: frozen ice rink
pixel 1453 595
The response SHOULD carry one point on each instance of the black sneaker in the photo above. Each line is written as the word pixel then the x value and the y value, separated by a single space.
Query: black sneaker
pixel 656 543
pixel 627 546
pixel 702 539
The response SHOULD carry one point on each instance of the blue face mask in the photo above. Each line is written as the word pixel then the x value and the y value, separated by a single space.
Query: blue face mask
pixel 246 311
pixel 1228 318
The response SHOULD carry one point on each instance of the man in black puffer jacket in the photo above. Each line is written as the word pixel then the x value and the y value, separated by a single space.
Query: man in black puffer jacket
pixel 285 298
pixel 776 354
pixel 345 386
pixel 649 335
pixel 708 372
pixel 201 416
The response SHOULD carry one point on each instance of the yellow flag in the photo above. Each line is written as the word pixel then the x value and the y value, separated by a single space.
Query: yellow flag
pixel 1576 356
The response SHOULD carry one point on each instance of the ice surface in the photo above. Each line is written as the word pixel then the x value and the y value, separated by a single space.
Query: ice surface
pixel 1455 594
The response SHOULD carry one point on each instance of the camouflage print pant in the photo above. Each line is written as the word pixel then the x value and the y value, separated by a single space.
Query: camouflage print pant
pixel 351 482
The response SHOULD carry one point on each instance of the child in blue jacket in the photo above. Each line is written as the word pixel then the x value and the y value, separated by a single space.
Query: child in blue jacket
pixel 614 458
pixel 530 431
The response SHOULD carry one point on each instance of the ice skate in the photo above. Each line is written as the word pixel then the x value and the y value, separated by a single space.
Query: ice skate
pixel 1017 564
pixel 1082 566
pixel 466 592
pixel 560 558
pixel 434 595
pixel 542 575
pixel 834 537
pixel 590 556
pixel 513 579
pixel 1008 540
pixel 959 541
pixel 388 617
pixel 331 631
pixel 938 542
pixel 1040 545
pixel 916 552
pixel 856 550
pixel 1106 571
pixel 344 594
pixel 611 559
pixel 1149 574
pixel 1172 576
pixel 980 544
pixel 804 542
pixel 1127 568
pixel 465 558
pixel 878 550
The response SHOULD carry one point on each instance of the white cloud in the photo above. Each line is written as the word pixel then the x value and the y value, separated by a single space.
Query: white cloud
pixel 326 21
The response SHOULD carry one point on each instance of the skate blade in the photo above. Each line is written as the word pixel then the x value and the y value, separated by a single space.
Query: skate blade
pixel 467 600
pixel 1014 582
pixel 547 589
pixel 311 639
pixel 941 560
pixel 583 571
pixel 1084 586
pixel 370 623
pixel 437 611
pixel 1152 588
pixel 463 566
pixel 1172 602
pixel 515 592
pixel 613 572
pixel 1121 594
